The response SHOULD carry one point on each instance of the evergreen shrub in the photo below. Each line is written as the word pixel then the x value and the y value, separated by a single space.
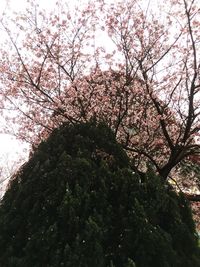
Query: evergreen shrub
pixel 77 203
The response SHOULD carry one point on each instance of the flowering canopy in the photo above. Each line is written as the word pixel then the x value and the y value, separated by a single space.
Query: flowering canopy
pixel 132 64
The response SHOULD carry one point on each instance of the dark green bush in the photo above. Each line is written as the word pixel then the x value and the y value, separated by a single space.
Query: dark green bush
pixel 77 203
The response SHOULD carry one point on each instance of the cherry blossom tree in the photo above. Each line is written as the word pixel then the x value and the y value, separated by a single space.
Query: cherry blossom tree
pixel 134 64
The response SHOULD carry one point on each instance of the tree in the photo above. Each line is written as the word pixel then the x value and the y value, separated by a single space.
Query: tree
pixel 78 203
pixel 145 86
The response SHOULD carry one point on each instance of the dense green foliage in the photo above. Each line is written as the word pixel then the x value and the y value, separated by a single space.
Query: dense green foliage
pixel 77 203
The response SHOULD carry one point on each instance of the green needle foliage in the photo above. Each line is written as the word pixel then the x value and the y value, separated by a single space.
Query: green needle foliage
pixel 77 203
